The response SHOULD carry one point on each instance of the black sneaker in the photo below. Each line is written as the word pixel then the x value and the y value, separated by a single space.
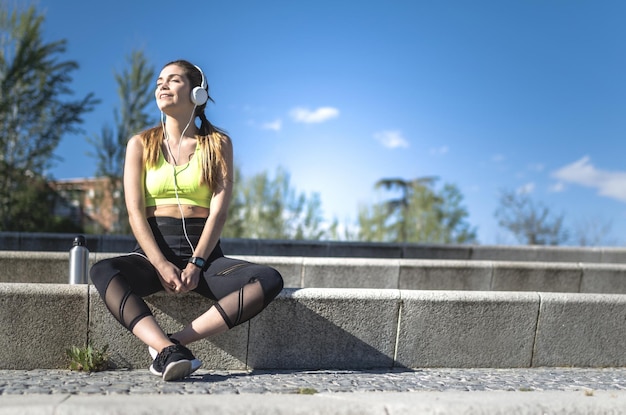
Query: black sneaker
pixel 195 362
pixel 173 363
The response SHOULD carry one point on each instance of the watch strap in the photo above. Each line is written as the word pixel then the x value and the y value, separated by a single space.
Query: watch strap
pixel 199 262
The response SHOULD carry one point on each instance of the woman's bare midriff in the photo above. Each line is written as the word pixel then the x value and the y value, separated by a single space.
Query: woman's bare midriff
pixel 173 211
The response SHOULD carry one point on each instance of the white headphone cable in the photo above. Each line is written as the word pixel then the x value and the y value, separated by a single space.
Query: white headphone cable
pixel 167 143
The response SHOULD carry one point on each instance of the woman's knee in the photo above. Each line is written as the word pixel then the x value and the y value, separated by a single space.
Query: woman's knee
pixel 101 274
pixel 272 282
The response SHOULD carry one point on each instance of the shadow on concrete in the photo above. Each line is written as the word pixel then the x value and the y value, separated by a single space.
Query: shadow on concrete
pixel 315 330
pixel 327 331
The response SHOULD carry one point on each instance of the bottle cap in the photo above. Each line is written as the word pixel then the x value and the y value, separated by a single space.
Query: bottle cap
pixel 79 241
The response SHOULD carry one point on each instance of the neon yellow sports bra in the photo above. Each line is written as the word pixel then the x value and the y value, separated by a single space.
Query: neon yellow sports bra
pixel 159 183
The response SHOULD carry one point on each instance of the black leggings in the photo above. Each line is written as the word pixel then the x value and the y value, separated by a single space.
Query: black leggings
pixel 241 289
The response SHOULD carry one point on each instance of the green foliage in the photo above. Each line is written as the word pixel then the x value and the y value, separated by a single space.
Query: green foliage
pixel 88 359
pixel 266 208
pixel 341 232
pixel 135 90
pixel 307 391
pixel 35 113
pixel 421 213
pixel 59 224
pixel 531 223
pixel 31 197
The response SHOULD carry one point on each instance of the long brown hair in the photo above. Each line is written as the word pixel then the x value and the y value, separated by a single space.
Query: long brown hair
pixel 210 138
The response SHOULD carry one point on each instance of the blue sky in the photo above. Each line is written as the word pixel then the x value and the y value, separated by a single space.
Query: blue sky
pixel 488 95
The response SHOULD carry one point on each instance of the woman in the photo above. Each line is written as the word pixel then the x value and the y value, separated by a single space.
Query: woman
pixel 177 204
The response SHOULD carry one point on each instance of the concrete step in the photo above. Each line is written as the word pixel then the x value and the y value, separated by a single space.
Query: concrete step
pixel 382 273
pixel 332 328
pixel 54 242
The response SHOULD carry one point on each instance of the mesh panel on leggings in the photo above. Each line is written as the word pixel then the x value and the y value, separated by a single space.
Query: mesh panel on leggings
pixel 126 307
pixel 241 305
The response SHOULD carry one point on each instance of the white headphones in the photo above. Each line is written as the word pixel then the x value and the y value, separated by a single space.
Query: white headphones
pixel 199 94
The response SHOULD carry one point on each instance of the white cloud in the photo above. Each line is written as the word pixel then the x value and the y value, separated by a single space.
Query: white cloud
pixel 526 189
pixel 391 139
pixel 557 187
pixel 497 158
pixel 582 172
pixel 275 125
pixel 537 167
pixel 439 150
pixel 307 116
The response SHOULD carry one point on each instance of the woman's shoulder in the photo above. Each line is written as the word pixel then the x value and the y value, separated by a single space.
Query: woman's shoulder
pixel 144 137
pixel 136 146
pixel 135 142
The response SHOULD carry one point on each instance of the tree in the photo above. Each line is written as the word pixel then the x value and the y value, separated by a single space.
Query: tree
pixel 420 214
pixel 531 223
pixel 373 224
pixel 271 209
pixel 34 113
pixel 135 85
pixel 453 227
pixel 593 231
pixel 400 207
pixel 30 209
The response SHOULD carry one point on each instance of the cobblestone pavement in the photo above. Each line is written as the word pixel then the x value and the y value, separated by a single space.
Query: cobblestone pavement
pixel 138 382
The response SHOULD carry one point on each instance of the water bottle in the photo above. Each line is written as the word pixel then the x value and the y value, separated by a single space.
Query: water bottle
pixel 79 259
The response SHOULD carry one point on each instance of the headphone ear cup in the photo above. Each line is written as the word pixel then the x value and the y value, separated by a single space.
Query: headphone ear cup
pixel 199 96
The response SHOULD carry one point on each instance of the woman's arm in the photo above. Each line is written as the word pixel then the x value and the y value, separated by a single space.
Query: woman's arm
pixel 218 214
pixel 135 204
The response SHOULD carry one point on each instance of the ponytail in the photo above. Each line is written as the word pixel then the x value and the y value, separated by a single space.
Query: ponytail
pixel 211 141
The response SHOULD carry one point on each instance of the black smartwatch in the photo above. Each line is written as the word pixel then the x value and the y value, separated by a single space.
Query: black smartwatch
pixel 198 262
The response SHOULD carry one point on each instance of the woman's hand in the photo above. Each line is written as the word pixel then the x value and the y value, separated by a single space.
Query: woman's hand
pixel 190 277
pixel 170 277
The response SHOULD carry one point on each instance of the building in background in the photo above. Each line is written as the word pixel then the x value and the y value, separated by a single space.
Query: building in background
pixel 90 203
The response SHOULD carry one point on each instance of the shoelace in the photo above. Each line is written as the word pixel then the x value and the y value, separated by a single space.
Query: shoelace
pixel 159 361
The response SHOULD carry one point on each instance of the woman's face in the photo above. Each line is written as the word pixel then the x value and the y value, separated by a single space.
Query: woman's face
pixel 173 89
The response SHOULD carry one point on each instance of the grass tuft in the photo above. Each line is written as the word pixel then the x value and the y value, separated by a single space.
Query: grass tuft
pixel 88 359
pixel 307 391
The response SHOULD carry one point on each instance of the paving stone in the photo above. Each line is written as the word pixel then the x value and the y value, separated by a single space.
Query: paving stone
pixel 141 382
